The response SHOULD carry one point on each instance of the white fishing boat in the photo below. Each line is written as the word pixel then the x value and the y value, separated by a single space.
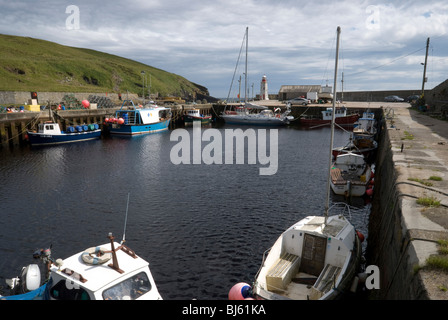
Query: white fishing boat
pixel 365 124
pixel 350 175
pixel 317 258
pixel 110 271
pixel 193 115
pixel 251 113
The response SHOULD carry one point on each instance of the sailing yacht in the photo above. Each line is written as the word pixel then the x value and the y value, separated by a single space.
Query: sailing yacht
pixel 317 258
pixel 253 114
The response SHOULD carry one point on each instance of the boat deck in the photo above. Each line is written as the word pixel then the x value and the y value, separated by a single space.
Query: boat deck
pixel 341 178
pixel 304 286
pixel 300 287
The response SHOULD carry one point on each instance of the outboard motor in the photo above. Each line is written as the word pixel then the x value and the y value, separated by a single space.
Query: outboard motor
pixel 30 276
pixel 28 280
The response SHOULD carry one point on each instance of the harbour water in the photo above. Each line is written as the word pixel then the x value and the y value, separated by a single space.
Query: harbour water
pixel 202 227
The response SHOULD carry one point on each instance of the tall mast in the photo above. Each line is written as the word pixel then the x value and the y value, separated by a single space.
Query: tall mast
pixel 245 74
pixel 327 204
pixel 424 69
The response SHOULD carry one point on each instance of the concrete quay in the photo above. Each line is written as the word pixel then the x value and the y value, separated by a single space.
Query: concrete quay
pixel 402 233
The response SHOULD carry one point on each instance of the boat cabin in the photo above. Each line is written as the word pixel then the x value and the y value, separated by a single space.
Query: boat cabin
pixel 50 128
pixel 85 276
pixel 340 112
pixel 267 113
pixel 351 162
pixel 143 116
pixel 193 113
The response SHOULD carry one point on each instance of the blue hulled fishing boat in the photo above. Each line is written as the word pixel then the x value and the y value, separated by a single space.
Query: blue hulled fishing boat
pixel 135 120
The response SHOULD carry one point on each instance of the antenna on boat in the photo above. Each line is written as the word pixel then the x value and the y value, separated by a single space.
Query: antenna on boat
pixel 327 204
pixel 125 221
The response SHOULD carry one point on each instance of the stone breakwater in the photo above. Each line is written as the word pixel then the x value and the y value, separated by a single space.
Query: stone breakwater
pixel 402 233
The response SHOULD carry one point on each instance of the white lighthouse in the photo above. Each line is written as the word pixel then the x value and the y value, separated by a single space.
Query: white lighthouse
pixel 264 89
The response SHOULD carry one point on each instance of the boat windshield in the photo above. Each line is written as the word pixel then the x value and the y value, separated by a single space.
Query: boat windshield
pixel 129 289
pixel 60 291
pixel 267 113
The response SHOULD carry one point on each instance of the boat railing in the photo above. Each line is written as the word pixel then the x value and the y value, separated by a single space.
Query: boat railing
pixel 265 254
pixel 345 209
pixel 132 117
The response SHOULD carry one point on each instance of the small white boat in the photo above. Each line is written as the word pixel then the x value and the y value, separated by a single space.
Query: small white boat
pixel 350 175
pixel 111 271
pixel 314 259
pixel 192 115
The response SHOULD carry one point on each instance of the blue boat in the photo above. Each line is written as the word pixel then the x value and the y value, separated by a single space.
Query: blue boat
pixel 132 120
pixel 49 133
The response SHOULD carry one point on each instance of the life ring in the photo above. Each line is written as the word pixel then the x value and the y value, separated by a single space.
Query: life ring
pixel 95 255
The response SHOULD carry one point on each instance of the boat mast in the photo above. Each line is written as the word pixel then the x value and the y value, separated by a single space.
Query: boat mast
pixel 245 74
pixel 327 204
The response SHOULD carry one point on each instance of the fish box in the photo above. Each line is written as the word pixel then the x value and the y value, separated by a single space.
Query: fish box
pixel 33 107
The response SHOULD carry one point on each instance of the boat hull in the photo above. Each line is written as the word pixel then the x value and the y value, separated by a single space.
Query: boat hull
pixel 137 129
pixel 259 121
pixel 366 152
pixel 342 121
pixel 190 119
pixel 349 188
pixel 42 139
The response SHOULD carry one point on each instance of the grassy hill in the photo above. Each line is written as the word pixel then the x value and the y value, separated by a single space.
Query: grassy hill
pixel 28 64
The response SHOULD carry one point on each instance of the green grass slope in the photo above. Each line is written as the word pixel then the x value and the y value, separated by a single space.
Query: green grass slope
pixel 28 64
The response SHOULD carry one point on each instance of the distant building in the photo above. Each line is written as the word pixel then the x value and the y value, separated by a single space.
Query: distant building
pixel 291 92
pixel 264 89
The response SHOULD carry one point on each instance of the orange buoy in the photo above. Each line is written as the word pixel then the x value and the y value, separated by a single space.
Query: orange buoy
pixel 85 103
pixel 360 236
pixel 240 291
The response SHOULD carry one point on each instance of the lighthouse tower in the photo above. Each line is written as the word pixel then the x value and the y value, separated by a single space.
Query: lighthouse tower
pixel 264 89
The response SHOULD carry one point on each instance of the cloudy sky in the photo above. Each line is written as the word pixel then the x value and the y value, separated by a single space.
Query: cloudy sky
pixel 383 43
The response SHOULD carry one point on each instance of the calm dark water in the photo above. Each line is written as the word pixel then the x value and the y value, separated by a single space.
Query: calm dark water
pixel 203 228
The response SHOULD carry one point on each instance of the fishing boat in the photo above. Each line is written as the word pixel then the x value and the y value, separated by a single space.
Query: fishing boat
pixel 110 271
pixel 50 133
pixel 350 175
pixel 341 118
pixel 362 139
pixel 251 113
pixel 136 120
pixel 316 258
pixel 366 124
pixel 360 146
pixel 195 115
